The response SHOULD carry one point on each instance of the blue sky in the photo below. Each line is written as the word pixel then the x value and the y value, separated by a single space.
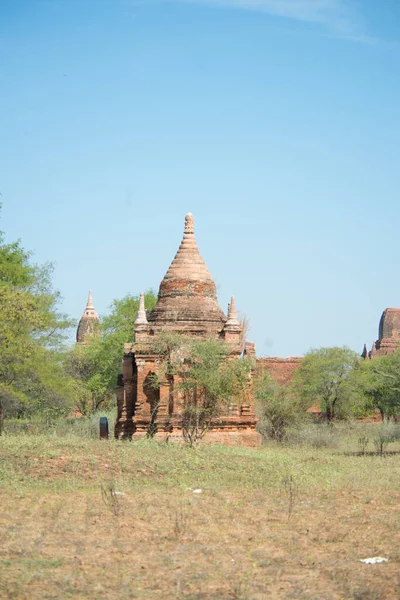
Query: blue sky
pixel 275 122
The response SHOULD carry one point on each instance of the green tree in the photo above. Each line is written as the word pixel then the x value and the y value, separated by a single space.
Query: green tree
pixel 120 321
pixel 81 365
pixel 379 381
pixel 278 407
pixel 32 332
pixel 208 379
pixel 323 377
pixel 211 382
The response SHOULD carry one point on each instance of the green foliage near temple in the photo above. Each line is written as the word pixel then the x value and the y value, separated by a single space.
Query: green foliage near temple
pixel 328 379
pixel 347 386
pixel 324 378
pixel 279 407
pixel 32 332
pixel 211 376
pixel 378 382
pixel 96 365
pixel 209 382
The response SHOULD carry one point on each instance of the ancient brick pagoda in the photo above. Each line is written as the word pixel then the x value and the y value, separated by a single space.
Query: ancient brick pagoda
pixel 89 325
pixel 389 334
pixel 187 304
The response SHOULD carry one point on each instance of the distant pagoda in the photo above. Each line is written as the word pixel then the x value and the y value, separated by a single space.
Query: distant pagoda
pixel 89 324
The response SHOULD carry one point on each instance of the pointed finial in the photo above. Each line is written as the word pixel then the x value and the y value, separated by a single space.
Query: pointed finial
pixel 232 314
pixel 141 318
pixel 364 353
pixel 89 301
pixel 189 224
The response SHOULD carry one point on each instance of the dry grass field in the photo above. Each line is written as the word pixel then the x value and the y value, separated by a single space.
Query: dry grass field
pixel 83 518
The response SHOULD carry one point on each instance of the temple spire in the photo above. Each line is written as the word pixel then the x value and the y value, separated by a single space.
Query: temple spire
pixel 187 264
pixel 187 297
pixel 141 318
pixel 89 304
pixel 232 313
pixel 364 353
pixel 189 225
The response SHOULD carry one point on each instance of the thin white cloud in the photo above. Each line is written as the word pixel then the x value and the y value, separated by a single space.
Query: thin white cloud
pixel 336 18
pixel 339 16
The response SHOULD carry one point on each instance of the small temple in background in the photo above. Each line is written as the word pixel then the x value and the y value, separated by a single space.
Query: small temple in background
pixel 187 304
pixel 89 324
pixel 388 335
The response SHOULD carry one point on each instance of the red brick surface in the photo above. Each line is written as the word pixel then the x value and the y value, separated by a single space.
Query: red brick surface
pixel 281 370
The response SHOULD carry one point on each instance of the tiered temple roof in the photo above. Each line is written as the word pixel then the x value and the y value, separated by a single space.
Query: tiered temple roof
pixel 187 298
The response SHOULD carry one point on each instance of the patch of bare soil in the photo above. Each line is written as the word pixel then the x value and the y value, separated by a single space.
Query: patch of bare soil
pixel 250 544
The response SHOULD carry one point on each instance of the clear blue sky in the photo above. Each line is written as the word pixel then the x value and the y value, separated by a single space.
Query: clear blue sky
pixel 275 122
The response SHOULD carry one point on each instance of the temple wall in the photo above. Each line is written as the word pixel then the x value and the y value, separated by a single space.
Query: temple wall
pixel 281 370
pixel 386 346
pixel 137 399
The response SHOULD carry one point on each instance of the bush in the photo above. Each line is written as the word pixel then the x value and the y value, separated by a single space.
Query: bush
pixel 316 435
pixel 278 409
pixel 385 435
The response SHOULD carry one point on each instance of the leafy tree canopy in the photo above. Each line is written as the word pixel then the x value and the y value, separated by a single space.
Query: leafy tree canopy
pixel 323 377
pixel 379 380
pixel 279 407
pixel 32 331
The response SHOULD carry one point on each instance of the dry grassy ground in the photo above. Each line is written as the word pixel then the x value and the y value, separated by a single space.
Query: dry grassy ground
pixel 88 519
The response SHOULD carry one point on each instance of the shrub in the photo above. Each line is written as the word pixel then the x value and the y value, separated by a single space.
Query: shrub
pixel 385 435
pixel 316 435
pixel 278 408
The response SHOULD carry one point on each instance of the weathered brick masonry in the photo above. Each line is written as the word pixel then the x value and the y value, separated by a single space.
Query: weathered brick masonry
pixel 388 335
pixel 280 369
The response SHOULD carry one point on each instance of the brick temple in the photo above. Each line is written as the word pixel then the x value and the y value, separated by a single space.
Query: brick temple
pixel 187 304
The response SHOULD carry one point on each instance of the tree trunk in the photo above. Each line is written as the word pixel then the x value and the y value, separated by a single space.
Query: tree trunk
pixel 1 416
pixel 333 409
